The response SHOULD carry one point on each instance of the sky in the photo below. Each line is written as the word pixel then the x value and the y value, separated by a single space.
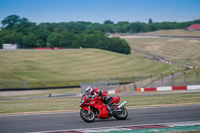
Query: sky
pixel 40 11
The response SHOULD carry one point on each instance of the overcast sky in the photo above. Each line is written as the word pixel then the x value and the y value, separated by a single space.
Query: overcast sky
pixel 40 11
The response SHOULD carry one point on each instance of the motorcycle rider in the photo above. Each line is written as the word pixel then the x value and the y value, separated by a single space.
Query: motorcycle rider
pixel 98 93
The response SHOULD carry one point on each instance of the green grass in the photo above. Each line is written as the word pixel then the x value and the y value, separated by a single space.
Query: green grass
pixel 44 68
pixel 57 104
pixel 35 105
pixel 162 99
pixel 181 51
pixel 173 33
pixel 38 93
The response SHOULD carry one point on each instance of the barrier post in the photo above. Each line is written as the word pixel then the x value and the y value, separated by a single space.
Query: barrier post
pixel 172 78
pixel 141 82
pixel 197 77
pixel 185 78
pixel 134 85
pixel 161 79
pixel 151 80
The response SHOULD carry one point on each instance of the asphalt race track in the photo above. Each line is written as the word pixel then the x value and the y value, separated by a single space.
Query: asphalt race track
pixel 66 121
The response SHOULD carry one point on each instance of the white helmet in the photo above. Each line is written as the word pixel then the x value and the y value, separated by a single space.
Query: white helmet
pixel 89 89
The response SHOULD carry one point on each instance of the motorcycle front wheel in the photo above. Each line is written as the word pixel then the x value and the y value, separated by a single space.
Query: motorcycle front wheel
pixel 87 117
pixel 121 115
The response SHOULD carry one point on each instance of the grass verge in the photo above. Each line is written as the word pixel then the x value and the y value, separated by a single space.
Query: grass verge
pixel 35 68
pixel 72 104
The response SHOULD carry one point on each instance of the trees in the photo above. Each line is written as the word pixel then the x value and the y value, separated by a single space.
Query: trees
pixel 97 39
pixel 76 34
pixel 137 27
pixel 118 45
pixel 150 21
pixel 12 21
pixel 108 22
pixel 64 35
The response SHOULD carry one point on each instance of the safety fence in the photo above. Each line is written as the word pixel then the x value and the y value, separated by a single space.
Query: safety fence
pixel 104 85
pixel 131 83
pixel 169 79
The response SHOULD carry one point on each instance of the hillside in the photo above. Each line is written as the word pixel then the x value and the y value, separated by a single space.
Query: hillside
pixel 176 50
pixel 179 50
pixel 172 33
pixel 72 66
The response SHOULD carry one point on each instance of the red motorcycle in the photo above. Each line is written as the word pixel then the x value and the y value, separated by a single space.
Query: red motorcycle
pixel 94 107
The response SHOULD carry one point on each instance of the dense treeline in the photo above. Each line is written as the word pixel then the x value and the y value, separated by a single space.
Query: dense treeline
pixel 16 30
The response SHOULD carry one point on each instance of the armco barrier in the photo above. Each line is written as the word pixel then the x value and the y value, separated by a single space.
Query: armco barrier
pixel 193 87
pixel 170 88
pixel 179 87
pixel 111 92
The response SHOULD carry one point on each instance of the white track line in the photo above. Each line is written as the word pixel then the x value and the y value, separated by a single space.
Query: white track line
pixel 116 128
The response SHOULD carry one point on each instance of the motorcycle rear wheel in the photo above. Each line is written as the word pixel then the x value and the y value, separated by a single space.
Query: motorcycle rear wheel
pixel 87 117
pixel 121 115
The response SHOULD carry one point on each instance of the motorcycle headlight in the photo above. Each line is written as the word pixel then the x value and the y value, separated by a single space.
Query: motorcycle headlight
pixel 87 101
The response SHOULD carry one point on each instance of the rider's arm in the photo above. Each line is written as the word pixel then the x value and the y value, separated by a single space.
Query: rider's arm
pixel 99 93
pixel 96 98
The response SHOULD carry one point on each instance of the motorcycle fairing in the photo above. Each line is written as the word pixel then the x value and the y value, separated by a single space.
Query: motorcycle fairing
pixel 86 108
pixel 103 112
pixel 115 100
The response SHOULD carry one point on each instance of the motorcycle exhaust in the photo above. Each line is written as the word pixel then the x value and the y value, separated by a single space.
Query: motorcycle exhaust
pixel 122 105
